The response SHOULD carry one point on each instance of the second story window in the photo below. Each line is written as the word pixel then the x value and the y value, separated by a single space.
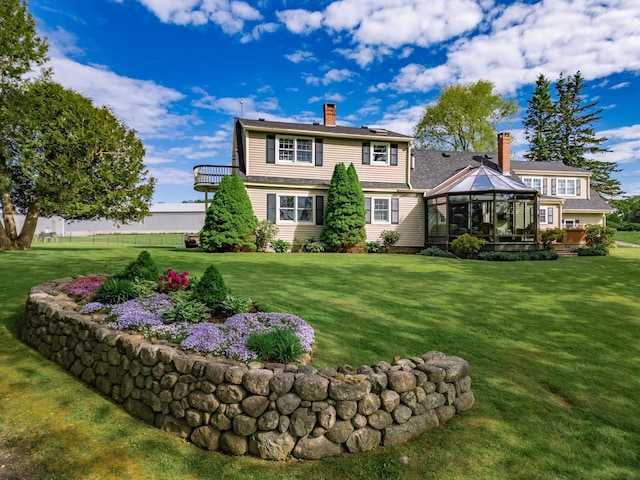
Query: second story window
pixel 533 182
pixel 295 150
pixel 567 187
pixel 379 153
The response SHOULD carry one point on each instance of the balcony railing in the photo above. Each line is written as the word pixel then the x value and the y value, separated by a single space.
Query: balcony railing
pixel 206 178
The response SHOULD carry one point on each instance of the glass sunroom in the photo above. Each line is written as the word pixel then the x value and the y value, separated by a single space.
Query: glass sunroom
pixel 486 204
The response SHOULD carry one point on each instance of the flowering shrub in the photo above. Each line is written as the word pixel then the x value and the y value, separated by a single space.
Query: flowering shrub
pixel 83 287
pixel 172 281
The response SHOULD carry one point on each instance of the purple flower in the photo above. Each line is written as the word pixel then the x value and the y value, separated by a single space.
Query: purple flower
pixel 140 314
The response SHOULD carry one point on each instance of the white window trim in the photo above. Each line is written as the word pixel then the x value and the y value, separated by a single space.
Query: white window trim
pixel 295 150
pixel 530 184
pixel 566 181
pixel 279 221
pixel 373 211
pixel 372 154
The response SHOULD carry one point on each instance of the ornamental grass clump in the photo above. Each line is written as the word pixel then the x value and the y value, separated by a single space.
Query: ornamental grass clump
pixel 114 291
pixel 280 345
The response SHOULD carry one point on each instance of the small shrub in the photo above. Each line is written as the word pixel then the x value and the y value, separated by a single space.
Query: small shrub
pixel 467 245
pixel 599 251
pixel 315 247
pixel 142 268
pixel 144 288
pixel 497 256
pixel 234 305
pixel 173 281
pixel 598 235
pixel 523 256
pixel 280 246
pixel 436 252
pixel 114 291
pixel 543 255
pixel 185 309
pixel 389 239
pixel 279 344
pixel 373 247
pixel 210 289
pixel 300 243
pixel 548 237
pixel 265 233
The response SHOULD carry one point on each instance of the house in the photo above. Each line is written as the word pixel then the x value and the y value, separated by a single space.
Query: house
pixel 429 197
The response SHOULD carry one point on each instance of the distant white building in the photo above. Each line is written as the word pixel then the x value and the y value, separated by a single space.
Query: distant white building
pixel 163 218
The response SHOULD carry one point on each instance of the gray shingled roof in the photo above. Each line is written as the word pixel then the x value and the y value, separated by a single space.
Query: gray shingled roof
pixel 368 132
pixel 432 167
pixel 596 202
pixel 543 166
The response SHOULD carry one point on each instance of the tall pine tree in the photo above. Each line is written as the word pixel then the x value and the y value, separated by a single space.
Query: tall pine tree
pixel 539 123
pixel 565 132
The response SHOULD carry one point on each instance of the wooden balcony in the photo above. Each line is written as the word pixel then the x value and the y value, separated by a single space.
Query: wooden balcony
pixel 206 178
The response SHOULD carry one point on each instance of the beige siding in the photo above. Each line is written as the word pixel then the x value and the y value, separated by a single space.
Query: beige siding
pixel 335 150
pixel 584 181
pixel 411 226
pixel 585 219
pixel 411 221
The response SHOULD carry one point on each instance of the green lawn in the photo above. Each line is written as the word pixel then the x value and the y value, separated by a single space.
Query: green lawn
pixel 553 348
pixel 630 237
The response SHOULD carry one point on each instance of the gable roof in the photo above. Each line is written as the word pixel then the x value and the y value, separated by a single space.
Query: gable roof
pixel 369 133
pixel 521 165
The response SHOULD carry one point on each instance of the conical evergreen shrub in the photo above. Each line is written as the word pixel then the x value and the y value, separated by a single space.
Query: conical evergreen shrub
pixel 344 221
pixel 230 223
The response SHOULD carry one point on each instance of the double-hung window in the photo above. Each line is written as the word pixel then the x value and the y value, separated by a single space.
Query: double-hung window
pixel 381 210
pixel 295 150
pixel 533 182
pixel 379 153
pixel 294 209
pixel 566 187
pixel 545 215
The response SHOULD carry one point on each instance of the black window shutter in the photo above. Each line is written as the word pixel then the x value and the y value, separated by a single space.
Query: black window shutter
pixel 271 207
pixel 394 155
pixel 367 207
pixel 271 149
pixel 550 216
pixel 319 148
pixel 366 153
pixel 553 186
pixel 544 186
pixel 319 210
pixel 578 185
pixel 395 211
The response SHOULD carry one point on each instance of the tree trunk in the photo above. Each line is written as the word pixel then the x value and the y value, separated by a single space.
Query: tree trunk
pixel 9 238
pixel 30 224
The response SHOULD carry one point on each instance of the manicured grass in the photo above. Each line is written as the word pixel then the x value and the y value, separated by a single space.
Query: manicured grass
pixel 629 237
pixel 553 348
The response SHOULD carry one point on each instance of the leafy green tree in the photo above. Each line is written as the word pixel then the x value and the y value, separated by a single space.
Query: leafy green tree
pixel 540 122
pixel 230 223
pixel 576 138
pixel 64 156
pixel 465 118
pixel 344 218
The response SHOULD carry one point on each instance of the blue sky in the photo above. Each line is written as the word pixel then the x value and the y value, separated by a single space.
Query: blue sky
pixel 179 71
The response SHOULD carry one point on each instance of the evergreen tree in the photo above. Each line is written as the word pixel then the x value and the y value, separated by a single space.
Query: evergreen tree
pixel 230 223
pixel 539 122
pixel 576 137
pixel 344 218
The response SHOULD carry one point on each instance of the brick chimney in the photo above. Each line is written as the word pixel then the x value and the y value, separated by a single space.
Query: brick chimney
pixel 504 152
pixel 330 114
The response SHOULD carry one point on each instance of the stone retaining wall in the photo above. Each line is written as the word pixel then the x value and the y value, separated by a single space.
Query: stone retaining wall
pixel 268 410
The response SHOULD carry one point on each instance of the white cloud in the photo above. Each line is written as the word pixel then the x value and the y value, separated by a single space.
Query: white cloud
pixel 230 16
pixel 258 30
pixel 550 37
pixel 172 176
pixel 142 104
pixel 300 56
pixel 624 143
pixel 378 27
pixel 300 21
pixel 620 85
